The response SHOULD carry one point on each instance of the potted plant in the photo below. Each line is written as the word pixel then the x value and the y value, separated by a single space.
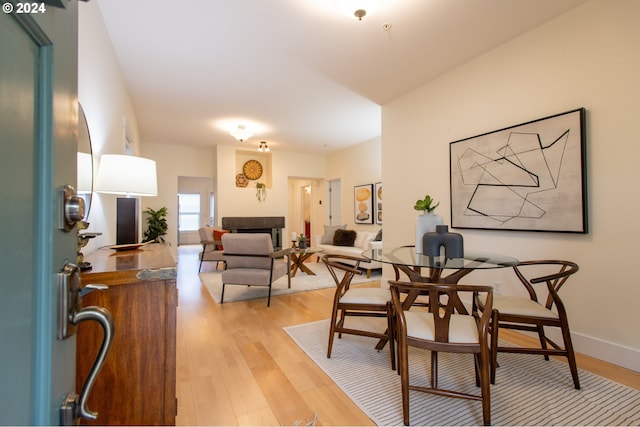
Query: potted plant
pixel 156 225
pixel 302 241
pixel 425 204
pixel 427 222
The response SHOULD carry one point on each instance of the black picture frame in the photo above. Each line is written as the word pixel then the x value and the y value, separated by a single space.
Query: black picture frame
pixel 377 194
pixel 526 177
pixel 363 204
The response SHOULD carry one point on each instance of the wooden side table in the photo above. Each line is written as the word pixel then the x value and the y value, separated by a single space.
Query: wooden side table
pixel 299 256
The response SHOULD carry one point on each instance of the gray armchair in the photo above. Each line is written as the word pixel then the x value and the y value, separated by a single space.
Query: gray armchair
pixel 210 251
pixel 251 261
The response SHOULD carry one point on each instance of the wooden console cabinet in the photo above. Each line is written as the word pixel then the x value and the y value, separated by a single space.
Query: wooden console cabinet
pixel 138 382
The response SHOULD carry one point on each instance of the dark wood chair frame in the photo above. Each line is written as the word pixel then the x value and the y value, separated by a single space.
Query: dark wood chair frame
pixel 442 316
pixel 341 310
pixel 536 324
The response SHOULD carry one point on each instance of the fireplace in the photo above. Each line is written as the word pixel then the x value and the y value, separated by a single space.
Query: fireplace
pixel 257 224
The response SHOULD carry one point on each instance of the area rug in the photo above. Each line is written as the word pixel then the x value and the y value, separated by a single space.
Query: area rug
pixel 528 389
pixel 301 282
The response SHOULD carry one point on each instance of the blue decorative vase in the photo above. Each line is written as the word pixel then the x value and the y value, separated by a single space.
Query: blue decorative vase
pixel 426 223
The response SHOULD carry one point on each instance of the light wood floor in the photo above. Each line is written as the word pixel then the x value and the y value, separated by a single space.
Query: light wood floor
pixel 236 366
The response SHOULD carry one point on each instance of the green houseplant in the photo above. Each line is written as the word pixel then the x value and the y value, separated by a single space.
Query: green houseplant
pixel 425 204
pixel 427 222
pixel 156 225
pixel 302 241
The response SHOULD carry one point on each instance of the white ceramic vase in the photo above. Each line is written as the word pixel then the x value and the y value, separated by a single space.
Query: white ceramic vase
pixel 426 223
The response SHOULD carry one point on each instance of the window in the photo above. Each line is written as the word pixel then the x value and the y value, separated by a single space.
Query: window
pixel 188 212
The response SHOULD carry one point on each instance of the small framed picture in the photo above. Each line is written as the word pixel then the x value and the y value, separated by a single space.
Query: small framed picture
pixel 363 204
pixel 377 194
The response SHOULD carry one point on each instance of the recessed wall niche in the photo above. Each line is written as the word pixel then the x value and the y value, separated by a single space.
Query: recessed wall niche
pixel 242 157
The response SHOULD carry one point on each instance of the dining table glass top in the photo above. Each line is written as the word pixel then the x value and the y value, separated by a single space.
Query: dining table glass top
pixel 407 256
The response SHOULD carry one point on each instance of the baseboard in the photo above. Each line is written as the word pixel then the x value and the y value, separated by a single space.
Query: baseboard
pixel 604 350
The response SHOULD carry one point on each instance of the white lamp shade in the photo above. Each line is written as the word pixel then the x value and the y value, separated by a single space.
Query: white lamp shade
pixel 85 173
pixel 127 175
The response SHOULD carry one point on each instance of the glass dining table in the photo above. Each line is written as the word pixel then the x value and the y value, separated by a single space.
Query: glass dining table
pixel 432 269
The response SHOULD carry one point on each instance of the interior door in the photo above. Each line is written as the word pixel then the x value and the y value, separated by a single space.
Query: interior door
pixel 38 130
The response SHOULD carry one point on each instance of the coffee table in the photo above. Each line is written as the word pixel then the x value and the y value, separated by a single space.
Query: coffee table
pixel 299 256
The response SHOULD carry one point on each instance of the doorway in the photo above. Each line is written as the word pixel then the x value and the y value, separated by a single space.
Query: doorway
pixel 305 207
pixel 196 207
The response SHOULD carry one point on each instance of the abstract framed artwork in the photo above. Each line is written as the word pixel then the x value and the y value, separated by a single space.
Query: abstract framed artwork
pixel 363 204
pixel 377 194
pixel 529 177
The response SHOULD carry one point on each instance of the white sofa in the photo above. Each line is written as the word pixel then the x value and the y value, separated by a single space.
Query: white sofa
pixel 364 241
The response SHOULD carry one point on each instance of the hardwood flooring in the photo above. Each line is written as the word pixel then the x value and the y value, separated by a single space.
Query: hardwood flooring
pixel 236 365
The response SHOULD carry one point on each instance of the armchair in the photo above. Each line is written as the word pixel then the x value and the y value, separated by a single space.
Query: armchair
pixel 210 251
pixel 251 261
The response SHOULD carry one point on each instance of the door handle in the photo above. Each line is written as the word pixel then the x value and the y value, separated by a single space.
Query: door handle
pixel 70 315
pixel 105 319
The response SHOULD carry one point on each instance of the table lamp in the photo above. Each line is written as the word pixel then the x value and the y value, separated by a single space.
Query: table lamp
pixel 131 176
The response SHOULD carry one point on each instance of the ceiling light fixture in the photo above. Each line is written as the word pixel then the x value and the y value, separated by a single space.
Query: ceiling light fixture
pixel 360 13
pixel 241 133
pixel 263 146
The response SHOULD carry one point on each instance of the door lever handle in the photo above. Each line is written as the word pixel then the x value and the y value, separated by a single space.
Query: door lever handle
pixel 105 319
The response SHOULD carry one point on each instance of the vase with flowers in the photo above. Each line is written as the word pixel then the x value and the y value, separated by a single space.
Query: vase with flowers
pixel 427 222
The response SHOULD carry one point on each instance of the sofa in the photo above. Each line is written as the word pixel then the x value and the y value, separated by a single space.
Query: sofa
pixel 364 240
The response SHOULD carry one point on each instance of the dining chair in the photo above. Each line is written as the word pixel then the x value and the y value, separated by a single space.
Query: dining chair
pixel 356 302
pixel 443 329
pixel 535 312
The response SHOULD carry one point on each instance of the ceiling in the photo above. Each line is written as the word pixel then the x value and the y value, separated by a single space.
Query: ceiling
pixel 298 73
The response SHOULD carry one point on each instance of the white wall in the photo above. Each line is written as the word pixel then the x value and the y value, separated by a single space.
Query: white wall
pixel 356 165
pixel 173 161
pixel 237 201
pixel 105 100
pixel 588 58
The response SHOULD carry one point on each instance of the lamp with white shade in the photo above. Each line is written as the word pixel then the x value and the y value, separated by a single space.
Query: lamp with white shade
pixel 131 176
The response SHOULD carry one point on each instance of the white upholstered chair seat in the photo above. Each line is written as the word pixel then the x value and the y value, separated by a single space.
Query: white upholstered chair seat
pixel 507 304
pixel 462 328
pixel 366 296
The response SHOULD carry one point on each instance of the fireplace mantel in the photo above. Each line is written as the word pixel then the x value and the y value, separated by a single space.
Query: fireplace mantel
pixel 257 224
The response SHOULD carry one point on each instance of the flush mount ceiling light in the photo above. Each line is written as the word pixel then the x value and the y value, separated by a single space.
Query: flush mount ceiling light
pixel 263 146
pixel 358 8
pixel 241 133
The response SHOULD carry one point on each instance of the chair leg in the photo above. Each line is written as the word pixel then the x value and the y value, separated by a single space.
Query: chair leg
pixel 269 297
pixel 222 296
pixel 332 328
pixel 200 267
pixel 495 326
pixel 368 273
pixel 571 358
pixel 543 340
pixel 434 369
pixel 390 335
pixel 485 388
pixel 403 370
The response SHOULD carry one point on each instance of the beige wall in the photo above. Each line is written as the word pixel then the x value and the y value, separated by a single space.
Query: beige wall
pixel 173 161
pixel 356 165
pixel 105 100
pixel 588 58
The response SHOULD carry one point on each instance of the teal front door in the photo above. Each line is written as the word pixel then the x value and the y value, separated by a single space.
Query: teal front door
pixel 38 131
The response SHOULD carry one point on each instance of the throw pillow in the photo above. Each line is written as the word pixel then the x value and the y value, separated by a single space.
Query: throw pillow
pixel 329 231
pixel 217 236
pixel 378 237
pixel 344 237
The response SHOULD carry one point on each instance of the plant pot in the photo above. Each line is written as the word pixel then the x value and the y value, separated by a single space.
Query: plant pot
pixel 426 223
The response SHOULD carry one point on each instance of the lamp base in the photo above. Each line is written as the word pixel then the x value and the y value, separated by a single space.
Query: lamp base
pixel 127 213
